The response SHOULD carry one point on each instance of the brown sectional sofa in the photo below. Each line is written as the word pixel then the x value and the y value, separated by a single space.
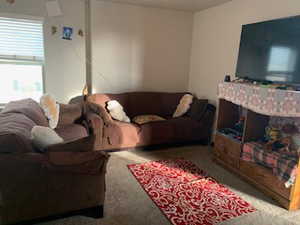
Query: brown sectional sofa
pixel 67 177
pixel 194 126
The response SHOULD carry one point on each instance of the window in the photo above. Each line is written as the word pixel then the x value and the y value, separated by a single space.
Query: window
pixel 21 59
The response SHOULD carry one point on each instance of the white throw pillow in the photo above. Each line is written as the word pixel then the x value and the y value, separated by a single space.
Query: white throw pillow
pixel 116 111
pixel 183 105
pixel 51 109
pixel 43 137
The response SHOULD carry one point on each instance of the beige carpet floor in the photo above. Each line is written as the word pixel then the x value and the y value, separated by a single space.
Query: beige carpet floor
pixel 128 204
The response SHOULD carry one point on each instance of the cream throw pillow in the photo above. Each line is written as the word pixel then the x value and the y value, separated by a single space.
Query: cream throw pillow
pixel 146 119
pixel 51 109
pixel 183 105
pixel 116 111
pixel 43 137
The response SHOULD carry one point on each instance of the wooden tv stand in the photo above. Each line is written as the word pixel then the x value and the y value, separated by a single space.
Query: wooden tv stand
pixel 227 152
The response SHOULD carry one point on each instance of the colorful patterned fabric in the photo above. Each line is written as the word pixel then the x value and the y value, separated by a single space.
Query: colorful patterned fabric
pixel 268 101
pixel 186 195
pixel 284 166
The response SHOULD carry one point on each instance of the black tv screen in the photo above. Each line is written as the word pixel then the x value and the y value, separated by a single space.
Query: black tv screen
pixel 270 51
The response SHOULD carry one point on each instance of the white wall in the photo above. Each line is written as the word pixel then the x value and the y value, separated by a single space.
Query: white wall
pixel 138 48
pixel 216 39
pixel 65 60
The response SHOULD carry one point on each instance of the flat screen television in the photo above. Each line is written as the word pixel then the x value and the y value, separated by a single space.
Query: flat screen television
pixel 270 51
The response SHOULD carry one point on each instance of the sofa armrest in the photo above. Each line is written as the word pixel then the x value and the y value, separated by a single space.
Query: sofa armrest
pixel 89 106
pixel 208 119
pixel 99 110
pixel 96 125
pixel 197 109
pixel 26 165
pixel 77 162
pixel 80 145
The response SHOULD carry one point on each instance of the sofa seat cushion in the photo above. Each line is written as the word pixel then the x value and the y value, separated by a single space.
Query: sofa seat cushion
pixel 185 128
pixel 72 132
pixel 122 134
pixel 156 132
pixel 170 131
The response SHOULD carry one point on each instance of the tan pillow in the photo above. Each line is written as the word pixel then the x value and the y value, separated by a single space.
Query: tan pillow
pixel 183 105
pixel 146 119
pixel 51 109
pixel 42 137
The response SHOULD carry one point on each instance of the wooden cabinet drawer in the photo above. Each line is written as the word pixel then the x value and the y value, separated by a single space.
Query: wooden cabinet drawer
pixel 264 176
pixel 227 150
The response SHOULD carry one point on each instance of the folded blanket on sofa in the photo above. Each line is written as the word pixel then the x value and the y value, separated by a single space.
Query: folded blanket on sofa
pixel 284 166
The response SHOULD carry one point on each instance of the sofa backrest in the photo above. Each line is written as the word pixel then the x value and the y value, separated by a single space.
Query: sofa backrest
pixel 29 108
pixel 17 119
pixel 159 103
pixel 141 103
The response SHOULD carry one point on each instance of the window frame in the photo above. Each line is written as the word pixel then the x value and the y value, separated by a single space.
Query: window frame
pixel 24 61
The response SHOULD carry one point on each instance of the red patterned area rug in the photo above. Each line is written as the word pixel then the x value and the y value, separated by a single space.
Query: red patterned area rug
pixel 186 195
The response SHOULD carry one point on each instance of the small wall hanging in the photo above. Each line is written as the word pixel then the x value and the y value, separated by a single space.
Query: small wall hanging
pixel 67 33
pixel 53 30
pixel 80 33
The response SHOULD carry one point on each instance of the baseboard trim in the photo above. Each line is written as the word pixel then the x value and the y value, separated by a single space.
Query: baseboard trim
pixel 159 146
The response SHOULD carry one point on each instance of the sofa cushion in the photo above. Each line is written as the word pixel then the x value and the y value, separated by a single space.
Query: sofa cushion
pixel 142 119
pixel 72 132
pixel 51 109
pixel 29 108
pixel 102 99
pixel 42 137
pixel 169 102
pixel 15 133
pixel 197 109
pixel 170 131
pixel 116 111
pixel 80 145
pixel 69 113
pixel 185 128
pixel 158 103
pixel 156 133
pixel 141 103
pixel 122 134
pixel 184 105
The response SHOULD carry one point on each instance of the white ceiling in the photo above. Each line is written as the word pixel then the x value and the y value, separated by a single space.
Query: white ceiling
pixel 186 5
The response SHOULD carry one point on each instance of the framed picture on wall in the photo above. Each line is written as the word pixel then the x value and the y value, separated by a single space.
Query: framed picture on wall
pixel 67 33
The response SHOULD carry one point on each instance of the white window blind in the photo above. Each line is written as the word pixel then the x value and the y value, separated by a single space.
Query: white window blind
pixel 21 39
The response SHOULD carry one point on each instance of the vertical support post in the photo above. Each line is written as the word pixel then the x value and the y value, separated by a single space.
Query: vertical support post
pixel 88 45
